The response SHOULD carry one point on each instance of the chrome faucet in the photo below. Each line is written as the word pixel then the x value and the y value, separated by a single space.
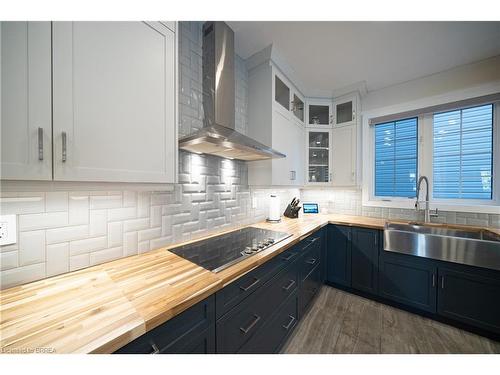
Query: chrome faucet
pixel 428 215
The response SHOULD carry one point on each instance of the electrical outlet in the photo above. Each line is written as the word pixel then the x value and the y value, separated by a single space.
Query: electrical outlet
pixel 8 229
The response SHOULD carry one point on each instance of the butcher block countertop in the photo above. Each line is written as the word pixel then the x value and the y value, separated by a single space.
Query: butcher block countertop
pixel 104 307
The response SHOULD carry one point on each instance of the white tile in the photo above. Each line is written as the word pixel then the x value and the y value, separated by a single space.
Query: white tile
pixel 79 261
pixel 23 205
pixel 130 243
pixel 57 259
pixel 56 201
pixel 31 247
pixel 9 260
pixel 66 234
pixel 135 224
pixel 42 221
pixel 98 223
pixel 155 216
pixel 143 204
pixel 148 234
pixel 143 247
pixel 129 198
pixel 78 212
pixel 87 245
pixel 22 275
pixel 160 242
pixel 102 256
pixel 105 201
pixel 115 234
pixel 120 214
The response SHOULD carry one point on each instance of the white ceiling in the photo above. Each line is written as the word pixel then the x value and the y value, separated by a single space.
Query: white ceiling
pixel 327 56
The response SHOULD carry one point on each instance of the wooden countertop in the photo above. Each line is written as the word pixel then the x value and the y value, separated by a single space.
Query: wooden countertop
pixel 102 308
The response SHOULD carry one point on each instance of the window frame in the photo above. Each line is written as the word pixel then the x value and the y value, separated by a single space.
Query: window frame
pixel 425 167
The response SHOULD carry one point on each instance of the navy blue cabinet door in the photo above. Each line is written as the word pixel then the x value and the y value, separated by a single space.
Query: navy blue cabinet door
pixel 408 280
pixel 338 255
pixel 364 259
pixel 470 296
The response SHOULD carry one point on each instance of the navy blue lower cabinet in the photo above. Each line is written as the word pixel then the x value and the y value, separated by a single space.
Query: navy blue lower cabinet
pixel 308 289
pixel 338 255
pixel 274 333
pixel 364 259
pixel 408 280
pixel 470 295
pixel 191 331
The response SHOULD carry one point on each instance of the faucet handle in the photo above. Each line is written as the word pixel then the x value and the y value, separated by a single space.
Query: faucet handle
pixel 434 214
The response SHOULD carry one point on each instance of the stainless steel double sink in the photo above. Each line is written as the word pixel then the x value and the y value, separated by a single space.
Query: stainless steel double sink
pixel 480 248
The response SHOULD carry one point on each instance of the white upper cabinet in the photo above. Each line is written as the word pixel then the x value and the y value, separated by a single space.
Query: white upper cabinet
pixel 345 110
pixel 114 98
pixel 319 112
pixel 318 156
pixel 344 156
pixel 25 92
pixel 276 118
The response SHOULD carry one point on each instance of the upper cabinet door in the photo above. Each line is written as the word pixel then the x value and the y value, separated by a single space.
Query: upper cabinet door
pixel 344 156
pixel 345 110
pixel 319 112
pixel 318 156
pixel 114 94
pixel 25 101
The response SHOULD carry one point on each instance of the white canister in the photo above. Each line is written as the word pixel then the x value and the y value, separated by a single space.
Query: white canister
pixel 274 209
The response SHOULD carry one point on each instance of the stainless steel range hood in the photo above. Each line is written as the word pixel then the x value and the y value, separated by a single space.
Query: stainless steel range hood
pixel 218 135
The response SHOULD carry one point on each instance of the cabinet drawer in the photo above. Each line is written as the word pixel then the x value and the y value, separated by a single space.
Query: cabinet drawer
pixel 241 288
pixel 308 289
pixel 271 336
pixel 310 259
pixel 174 335
pixel 203 343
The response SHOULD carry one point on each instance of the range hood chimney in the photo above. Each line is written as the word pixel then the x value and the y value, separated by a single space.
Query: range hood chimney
pixel 218 135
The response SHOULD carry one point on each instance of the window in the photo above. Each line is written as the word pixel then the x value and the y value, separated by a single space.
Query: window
pixel 463 153
pixel 396 158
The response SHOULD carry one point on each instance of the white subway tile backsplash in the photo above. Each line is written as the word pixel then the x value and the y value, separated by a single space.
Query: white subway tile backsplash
pixel 43 221
pixel 101 256
pixel 78 209
pixel 22 275
pixel 9 260
pixel 56 201
pixel 79 261
pixel 88 245
pixel 105 201
pixel 98 225
pixel 130 243
pixel 57 259
pixel 115 234
pixel 124 213
pixel 31 247
pixel 14 204
pixel 66 234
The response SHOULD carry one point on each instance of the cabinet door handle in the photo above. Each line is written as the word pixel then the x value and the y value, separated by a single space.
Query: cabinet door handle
pixel 330 177
pixel 64 147
pixel 248 287
pixel 354 115
pixel 290 284
pixel 433 280
pixel 40 144
pixel 442 282
pixel 290 323
pixel 155 348
pixel 311 261
pixel 251 325
pixel 331 119
pixel 289 257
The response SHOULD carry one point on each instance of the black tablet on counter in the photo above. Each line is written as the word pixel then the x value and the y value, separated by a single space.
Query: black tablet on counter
pixel 310 208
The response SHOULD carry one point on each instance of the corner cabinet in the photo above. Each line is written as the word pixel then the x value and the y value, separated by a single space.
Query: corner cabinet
pixel 344 156
pixel 81 96
pixel 276 115
pixel 26 117
pixel 318 156
pixel 113 85
pixel 345 110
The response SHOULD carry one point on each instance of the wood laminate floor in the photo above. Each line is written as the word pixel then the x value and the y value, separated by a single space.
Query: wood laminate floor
pixel 343 323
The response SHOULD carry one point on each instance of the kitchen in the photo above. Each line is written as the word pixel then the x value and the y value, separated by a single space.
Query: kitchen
pixel 206 187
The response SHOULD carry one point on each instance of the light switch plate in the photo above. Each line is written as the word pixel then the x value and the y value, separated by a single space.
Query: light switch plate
pixel 8 229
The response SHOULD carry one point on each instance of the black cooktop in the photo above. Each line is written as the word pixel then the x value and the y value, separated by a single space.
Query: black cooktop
pixel 220 252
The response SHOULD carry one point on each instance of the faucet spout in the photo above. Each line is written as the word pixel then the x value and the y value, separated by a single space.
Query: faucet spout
pixel 427 216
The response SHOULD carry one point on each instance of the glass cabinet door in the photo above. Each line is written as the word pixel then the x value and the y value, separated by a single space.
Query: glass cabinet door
pixel 298 107
pixel 318 156
pixel 281 93
pixel 319 114
pixel 345 111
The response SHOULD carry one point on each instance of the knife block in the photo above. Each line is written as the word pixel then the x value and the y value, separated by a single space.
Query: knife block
pixel 292 212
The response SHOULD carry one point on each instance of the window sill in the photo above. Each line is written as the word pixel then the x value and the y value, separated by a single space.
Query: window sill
pixel 487 208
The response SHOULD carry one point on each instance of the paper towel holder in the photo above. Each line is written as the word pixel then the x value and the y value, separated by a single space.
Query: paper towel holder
pixel 274 209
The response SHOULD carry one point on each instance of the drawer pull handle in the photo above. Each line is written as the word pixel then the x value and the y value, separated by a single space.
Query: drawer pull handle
pixel 155 348
pixel 287 288
pixel 251 325
pixel 311 261
pixel 40 144
pixel 433 280
pixel 290 323
pixel 289 257
pixel 64 147
pixel 246 288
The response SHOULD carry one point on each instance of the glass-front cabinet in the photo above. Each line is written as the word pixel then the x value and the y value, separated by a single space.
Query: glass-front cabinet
pixel 319 112
pixel 318 156
pixel 345 110
pixel 288 100
pixel 298 107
